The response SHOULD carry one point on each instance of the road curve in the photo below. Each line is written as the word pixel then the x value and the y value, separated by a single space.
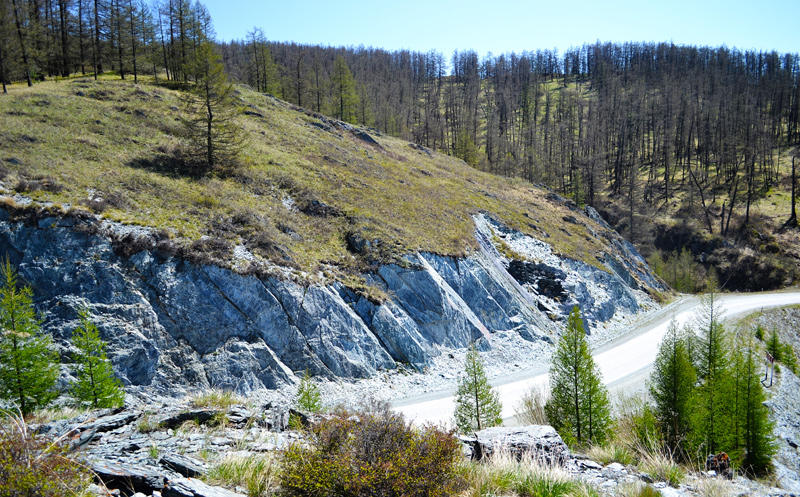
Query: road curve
pixel 623 362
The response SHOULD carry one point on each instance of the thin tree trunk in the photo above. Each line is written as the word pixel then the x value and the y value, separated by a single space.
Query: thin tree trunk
pixel 3 71
pixel 80 37
pixel 133 41
pixel 24 50
pixel 98 64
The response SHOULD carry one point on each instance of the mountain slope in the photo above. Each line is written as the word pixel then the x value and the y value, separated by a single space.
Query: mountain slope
pixel 330 248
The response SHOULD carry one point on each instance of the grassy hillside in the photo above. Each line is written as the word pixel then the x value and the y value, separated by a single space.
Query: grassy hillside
pixel 309 193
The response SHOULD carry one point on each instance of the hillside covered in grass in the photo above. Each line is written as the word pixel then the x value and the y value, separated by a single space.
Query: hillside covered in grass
pixel 309 193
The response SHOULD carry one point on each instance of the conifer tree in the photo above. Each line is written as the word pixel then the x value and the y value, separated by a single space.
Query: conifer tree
pixel 211 110
pixel 96 384
pixel 672 387
pixel 713 417
pixel 477 403
pixel 753 426
pixel 774 346
pixel 28 364
pixel 308 397
pixel 345 98
pixel 578 407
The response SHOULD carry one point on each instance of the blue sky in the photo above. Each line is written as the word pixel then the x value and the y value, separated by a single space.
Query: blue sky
pixel 513 25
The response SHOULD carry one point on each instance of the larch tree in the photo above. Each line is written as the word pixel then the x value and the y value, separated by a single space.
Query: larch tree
pixel 308 398
pixel 96 385
pixel 753 424
pixel 210 122
pixel 477 403
pixel 345 99
pixel 578 408
pixel 28 364
pixel 672 388
pixel 712 423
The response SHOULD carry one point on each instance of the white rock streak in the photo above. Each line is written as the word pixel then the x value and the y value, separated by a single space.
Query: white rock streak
pixel 630 355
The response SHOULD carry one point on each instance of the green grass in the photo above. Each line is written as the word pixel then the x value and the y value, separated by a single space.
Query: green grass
pixel 258 474
pixel 106 146
pixel 504 474
pixel 217 399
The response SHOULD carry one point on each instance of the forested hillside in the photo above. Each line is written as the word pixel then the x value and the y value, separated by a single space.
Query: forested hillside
pixel 677 146
pixel 647 133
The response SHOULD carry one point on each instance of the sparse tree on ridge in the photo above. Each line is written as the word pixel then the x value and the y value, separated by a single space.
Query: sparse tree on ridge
pixel 210 124
pixel 578 407
pixel 477 403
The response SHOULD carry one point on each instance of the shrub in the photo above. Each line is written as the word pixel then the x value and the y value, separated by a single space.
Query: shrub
pixel 372 453
pixel 530 409
pixel 31 466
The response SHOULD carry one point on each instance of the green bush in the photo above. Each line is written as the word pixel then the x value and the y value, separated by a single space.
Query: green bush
pixel 33 466
pixel 372 453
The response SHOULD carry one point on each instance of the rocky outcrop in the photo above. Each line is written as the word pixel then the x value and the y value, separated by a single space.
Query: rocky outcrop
pixel 542 443
pixel 171 323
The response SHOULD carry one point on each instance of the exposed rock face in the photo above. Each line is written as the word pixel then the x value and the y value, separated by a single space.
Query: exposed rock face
pixel 172 324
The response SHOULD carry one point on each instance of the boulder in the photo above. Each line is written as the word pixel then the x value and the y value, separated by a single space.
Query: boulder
pixel 539 441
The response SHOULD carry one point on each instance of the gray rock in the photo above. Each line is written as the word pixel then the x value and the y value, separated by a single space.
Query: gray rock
pixel 589 464
pixel 128 478
pixel 174 420
pixel 183 465
pixel 540 441
pixel 171 325
pixel 187 487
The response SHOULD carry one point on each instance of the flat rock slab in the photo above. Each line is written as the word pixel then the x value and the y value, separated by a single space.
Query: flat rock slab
pixel 188 487
pixel 201 416
pixel 129 479
pixel 540 441
pixel 108 423
pixel 183 465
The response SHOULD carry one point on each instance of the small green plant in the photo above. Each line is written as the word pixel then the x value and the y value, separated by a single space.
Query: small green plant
pixel 147 423
pixel 611 452
pixel 257 474
pixel 295 422
pixel 153 450
pixel 32 466
pixel 308 398
pixel 219 420
pixel 217 399
pixel 662 468
pixel 506 474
